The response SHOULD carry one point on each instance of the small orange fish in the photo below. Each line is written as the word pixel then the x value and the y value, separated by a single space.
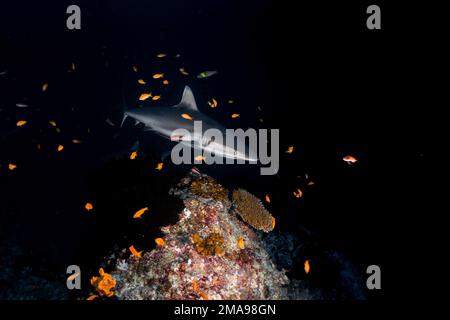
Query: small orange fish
pixel 298 193
pixel 199 158
pixel 213 103
pixel 73 66
pixel 154 98
pixel 89 206
pixel 241 243
pixel 60 148
pixel 306 266
pixel 135 252
pixel 133 155
pixel 186 116
pixel 158 75
pixel 21 123
pixel 73 276
pixel 235 115
pixel 273 223
pixel 194 285
pixel 52 123
pixel 184 72
pixel 204 296
pixel 231 101
pixel 161 55
pixel 12 166
pixel 144 96
pixel 92 297
pixel 267 198
pixel 159 166
pixel 76 141
pixel 160 242
pixel 44 86
pixel 350 159
pixel 135 69
pixel 311 183
pixel 290 149
pixel 140 212
pixel 141 81
pixel 166 82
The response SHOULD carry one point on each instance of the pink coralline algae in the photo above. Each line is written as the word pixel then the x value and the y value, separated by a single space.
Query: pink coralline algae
pixel 203 256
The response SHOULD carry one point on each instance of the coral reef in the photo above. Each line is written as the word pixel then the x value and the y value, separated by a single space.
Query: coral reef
pixel 211 252
pixel 211 245
pixel 207 187
pixel 208 254
pixel 252 211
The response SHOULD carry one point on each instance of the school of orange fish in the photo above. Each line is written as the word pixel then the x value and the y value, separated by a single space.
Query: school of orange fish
pixel 144 96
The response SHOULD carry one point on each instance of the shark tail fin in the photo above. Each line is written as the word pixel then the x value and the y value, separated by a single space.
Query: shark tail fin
pixel 123 119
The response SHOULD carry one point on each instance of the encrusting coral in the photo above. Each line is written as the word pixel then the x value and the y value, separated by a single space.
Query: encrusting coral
pixel 211 245
pixel 252 211
pixel 207 187
pixel 208 254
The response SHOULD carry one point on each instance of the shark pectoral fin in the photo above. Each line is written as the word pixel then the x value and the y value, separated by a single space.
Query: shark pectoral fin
pixel 188 100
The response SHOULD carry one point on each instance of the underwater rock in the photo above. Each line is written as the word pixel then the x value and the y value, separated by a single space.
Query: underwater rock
pixel 208 254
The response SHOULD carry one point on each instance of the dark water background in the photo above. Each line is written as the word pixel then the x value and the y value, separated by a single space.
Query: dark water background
pixel 331 87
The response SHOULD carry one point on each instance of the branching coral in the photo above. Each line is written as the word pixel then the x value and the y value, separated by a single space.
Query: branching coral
pixel 206 187
pixel 104 284
pixel 252 211
pixel 211 245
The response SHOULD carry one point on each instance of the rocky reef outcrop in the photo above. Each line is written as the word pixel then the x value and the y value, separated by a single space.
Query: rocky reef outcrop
pixel 210 253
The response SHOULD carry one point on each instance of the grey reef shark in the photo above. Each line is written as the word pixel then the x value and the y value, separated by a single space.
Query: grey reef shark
pixel 188 126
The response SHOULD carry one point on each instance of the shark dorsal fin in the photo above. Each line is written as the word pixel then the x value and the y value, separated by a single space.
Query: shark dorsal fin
pixel 188 100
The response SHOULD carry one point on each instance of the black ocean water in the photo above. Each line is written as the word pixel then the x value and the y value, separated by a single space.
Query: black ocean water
pixel 312 71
